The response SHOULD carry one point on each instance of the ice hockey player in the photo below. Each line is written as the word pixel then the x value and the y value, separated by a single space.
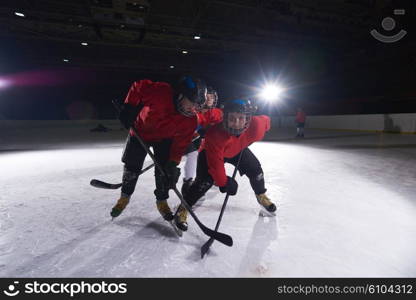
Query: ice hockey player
pixel 165 120
pixel 300 122
pixel 209 115
pixel 223 143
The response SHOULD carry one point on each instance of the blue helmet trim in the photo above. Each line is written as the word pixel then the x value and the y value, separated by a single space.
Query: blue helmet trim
pixel 239 101
pixel 189 82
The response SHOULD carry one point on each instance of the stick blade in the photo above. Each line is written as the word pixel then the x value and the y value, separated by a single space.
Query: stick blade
pixel 205 247
pixel 219 236
pixel 104 185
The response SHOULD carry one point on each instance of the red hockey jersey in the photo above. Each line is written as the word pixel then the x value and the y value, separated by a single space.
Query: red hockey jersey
pixel 219 144
pixel 210 117
pixel 159 119
pixel 300 117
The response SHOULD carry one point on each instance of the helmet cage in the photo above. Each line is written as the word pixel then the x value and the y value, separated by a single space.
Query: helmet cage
pixel 242 106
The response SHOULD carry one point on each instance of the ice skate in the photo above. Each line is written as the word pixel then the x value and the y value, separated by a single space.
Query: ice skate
pixel 268 207
pixel 164 209
pixel 120 206
pixel 180 218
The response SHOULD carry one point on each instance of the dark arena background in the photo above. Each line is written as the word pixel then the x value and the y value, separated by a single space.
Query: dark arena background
pixel 344 185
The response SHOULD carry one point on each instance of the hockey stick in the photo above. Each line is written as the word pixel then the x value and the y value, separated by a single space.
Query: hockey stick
pixel 205 247
pixel 113 186
pixel 221 237
pixel 105 185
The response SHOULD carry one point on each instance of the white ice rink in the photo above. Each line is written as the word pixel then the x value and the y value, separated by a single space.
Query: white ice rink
pixel 346 208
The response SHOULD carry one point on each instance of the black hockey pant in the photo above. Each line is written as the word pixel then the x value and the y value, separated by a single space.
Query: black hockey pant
pixel 133 159
pixel 249 166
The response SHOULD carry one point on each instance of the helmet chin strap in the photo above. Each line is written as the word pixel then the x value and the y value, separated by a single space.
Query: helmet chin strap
pixel 180 108
pixel 234 131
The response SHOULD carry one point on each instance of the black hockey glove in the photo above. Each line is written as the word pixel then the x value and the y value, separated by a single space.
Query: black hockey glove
pixel 172 173
pixel 201 131
pixel 197 142
pixel 231 187
pixel 128 114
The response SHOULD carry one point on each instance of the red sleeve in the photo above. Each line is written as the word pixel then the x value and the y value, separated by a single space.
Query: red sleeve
pixel 214 150
pixel 211 117
pixel 182 138
pixel 202 120
pixel 267 123
pixel 260 125
pixel 215 116
pixel 153 96
pixel 136 92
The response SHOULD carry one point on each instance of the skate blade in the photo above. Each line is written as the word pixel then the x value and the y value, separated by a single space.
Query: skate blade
pixel 265 213
pixel 175 228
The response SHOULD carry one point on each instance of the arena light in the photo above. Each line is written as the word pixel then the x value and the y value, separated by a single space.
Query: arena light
pixel 271 92
pixel 19 14
pixel 4 83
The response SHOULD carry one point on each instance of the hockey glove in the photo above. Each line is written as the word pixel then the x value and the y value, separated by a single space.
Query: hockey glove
pixel 231 187
pixel 201 131
pixel 172 173
pixel 197 142
pixel 128 114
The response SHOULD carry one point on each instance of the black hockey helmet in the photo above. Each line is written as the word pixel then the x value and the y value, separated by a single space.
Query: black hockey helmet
pixel 195 90
pixel 244 109
pixel 212 99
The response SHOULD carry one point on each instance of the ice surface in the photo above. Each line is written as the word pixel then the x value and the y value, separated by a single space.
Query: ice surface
pixel 346 208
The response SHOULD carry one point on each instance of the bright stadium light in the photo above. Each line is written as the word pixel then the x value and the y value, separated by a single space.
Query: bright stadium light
pixel 4 83
pixel 271 92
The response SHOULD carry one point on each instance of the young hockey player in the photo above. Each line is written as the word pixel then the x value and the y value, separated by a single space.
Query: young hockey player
pixel 223 143
pixel 165 120
pixel 208 116
pixel 300 122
